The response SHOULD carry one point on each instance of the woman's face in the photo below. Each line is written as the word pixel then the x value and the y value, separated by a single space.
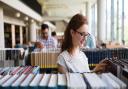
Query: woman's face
pixel 39 45
pixel 79 36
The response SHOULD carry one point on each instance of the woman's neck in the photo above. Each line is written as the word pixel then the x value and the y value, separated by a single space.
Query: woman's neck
pixel 74 50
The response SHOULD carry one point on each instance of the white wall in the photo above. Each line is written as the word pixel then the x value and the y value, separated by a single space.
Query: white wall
pixel 18 5
pixel 60 26
pixel 15 21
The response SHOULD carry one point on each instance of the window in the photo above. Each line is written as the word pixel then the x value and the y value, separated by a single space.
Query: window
pixel 115 21
pixel 94 19
pixel 108 20
pixel 125 21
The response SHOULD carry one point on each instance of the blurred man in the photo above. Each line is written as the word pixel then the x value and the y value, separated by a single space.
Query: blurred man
pixel 55 38
pixel 90 41
pixel 46 40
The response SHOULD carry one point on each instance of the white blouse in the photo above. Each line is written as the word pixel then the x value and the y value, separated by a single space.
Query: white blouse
pixel 74 64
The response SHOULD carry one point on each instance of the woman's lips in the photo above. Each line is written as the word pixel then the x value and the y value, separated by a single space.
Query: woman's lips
pixel 82 41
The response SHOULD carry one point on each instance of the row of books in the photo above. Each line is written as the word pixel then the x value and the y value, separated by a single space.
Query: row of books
pixel 48 50
pixel 11 53
pixel 19 70
pixel 96 55
pixel 11 63
pixel 119 67
pixel 11 57
pixel 62 81
pixel 44 59
pixel 48 58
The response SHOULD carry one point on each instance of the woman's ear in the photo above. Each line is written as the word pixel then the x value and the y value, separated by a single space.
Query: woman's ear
pixel 71 31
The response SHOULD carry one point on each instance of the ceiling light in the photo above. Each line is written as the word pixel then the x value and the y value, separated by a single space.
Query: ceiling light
pixel 32 20
pixel 18 14
pixel 26 18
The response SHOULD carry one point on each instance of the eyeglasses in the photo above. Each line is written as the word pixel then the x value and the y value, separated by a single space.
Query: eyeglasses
pixel 82 33
pixel 44 33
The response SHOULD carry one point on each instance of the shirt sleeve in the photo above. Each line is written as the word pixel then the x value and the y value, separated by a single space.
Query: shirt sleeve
pixel 61 61
pixel 55 42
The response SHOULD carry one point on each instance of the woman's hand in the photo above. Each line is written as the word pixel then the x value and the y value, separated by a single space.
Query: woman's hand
pixel 102 66
pixel 61 69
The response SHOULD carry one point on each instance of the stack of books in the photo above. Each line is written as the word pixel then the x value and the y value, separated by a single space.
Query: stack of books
pixel 62 81
pixel 45 59
pixel 19 70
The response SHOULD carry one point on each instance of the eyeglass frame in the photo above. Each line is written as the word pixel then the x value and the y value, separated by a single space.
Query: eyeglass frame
pixel 82 33
pixel 44 33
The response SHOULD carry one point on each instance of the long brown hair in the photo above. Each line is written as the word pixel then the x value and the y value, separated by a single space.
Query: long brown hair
pixel 75 23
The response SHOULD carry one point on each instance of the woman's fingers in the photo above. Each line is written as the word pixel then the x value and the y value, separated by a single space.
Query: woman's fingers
pixel 104 60
pixel 100 67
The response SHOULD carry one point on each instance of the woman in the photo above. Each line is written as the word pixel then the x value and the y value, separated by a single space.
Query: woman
pixel 38 46
pixel 72 59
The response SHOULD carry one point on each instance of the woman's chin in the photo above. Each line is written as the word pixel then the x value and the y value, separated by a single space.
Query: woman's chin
pixel 81 45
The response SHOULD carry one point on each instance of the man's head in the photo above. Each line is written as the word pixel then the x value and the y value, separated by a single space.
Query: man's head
pixel 44 31
pixel 53 34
